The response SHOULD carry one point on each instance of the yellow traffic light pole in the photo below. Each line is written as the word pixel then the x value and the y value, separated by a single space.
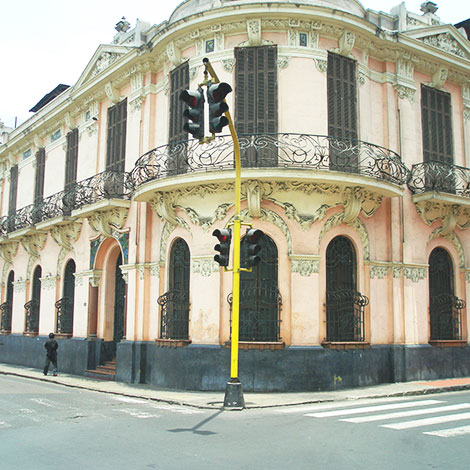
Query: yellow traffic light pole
pixel 233 394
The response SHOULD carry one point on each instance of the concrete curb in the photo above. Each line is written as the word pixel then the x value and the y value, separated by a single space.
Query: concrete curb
pixel 214 400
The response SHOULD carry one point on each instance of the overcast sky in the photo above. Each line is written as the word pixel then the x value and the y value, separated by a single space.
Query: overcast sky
pixel 47 42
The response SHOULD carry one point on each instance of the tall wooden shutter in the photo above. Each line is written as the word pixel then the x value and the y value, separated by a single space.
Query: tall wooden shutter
pixel 71 158
pixel 179 81
pixel 13 190
pixel 436 112
pixel 256 90
pixel 342 97
pixel 116 145
pixel 39 183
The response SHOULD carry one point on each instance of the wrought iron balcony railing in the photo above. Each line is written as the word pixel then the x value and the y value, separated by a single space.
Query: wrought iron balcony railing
pixel 106 185
pixel 260 314
pixel 64 310
pixel 345 316
pixel 174 315
pixel 446 317
pixel 440 177
pixel 32 316
pixel 315 152
pixel 5 320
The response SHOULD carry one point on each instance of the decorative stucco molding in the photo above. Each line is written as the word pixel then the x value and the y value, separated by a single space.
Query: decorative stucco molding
pixel 112 93
pixel 379 270
pixel 205 266
pixel 49 282
pixel 105 222
pixel 34 243
pixel 19 286
pixel 8 251
pixel 450 215
pixel 66 235
pixel 174 54
pixel 228 64
pixel 321 64
pixel 305 265
pixel 455 240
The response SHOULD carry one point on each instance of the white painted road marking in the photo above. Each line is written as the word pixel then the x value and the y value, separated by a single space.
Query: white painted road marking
pixel 368 409
pixel 404 414
pixel 460 431
pixel 428 421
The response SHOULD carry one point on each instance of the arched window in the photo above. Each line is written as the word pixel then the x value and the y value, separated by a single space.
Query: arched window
pixel 119 301
pixel 444 307
pixel 260 300
pixel 33 306
pixel 175 303
pixel 6 307
pixel 64 306
pixel 344 305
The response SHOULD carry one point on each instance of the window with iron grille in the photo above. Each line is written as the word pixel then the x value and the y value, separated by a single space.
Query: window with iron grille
pixel 13 190
pixel 71 158
pixel 342 97
pixel 260 300
pixel 344 304
pixel 256 90
pixel 174 312
pixel 444 307
pixel 39 183
pixel 436 117
pixel 116 143
pixel 179 81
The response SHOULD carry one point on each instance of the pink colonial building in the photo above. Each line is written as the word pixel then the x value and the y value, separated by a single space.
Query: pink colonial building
pixel 354 128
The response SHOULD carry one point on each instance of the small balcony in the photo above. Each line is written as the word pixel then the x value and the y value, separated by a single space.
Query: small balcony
pixel 441 181
pixel 313 158
pixel 31 309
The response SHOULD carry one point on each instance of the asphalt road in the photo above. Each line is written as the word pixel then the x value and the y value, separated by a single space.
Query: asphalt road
pixel 47 426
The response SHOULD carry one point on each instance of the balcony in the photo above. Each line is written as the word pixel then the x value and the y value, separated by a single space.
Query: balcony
pixel 104 189
pixel 436 180
pixel 312 158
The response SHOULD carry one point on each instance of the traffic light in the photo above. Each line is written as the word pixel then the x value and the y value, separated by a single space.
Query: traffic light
pixel 195 112
pixel 252 239
pixel 216 93
pixel 223 247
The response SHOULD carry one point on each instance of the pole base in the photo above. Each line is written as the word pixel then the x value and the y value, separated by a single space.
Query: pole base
pixel 234 395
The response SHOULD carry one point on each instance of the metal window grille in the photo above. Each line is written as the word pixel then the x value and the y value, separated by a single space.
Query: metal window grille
pixel 32 316
pixel 174 315
pixel 64 312
pixel 5 312
pixel 446 317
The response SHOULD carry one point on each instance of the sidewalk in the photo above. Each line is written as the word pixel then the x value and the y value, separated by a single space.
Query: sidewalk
pixel 214 400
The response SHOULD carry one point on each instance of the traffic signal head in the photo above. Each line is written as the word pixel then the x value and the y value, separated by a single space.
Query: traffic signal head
pixel 195 112
pixel 216 93
pixel 252 239
pixel 224 236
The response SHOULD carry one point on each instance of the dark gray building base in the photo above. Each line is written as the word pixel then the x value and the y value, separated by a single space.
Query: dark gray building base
pixel 204 367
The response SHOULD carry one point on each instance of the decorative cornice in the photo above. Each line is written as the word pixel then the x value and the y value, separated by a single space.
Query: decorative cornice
pixel 8 251
pixel 449 214
pixel 93 276
pixel 379 270
pixel 48 282
pixel 34 243
pixel 19 286
pixel 66 235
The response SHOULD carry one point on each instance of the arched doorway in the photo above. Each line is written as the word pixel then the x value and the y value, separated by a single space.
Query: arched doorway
pixel 6 307
pixel 444 307
pixel 175 302
pixel 260 300
pixel 65 305
pixel 344 317
pixel 33 306
pixel 119 302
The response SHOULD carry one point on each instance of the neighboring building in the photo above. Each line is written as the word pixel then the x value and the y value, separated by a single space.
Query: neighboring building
pixel 355 134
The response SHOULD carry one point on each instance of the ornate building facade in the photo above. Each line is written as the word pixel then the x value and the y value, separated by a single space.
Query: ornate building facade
pixel 355 137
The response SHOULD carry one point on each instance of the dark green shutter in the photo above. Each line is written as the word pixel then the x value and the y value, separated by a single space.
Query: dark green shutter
pixel 342 97
pixel 13 190
pixel 116 144
pixel 71 158
pixel 436 117
pixel 39 183
pixel 179 81
pixel 256 90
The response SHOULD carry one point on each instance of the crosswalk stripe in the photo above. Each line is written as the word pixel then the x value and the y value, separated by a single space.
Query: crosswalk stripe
pixel 367 409
pixel 404 414
pixel 427 421
pixel 460 431
pixel 346 404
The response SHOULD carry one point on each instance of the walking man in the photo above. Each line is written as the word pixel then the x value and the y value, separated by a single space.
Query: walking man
pixel 51 347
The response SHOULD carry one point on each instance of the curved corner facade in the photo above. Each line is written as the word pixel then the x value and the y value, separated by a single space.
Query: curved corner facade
pixel 354 129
